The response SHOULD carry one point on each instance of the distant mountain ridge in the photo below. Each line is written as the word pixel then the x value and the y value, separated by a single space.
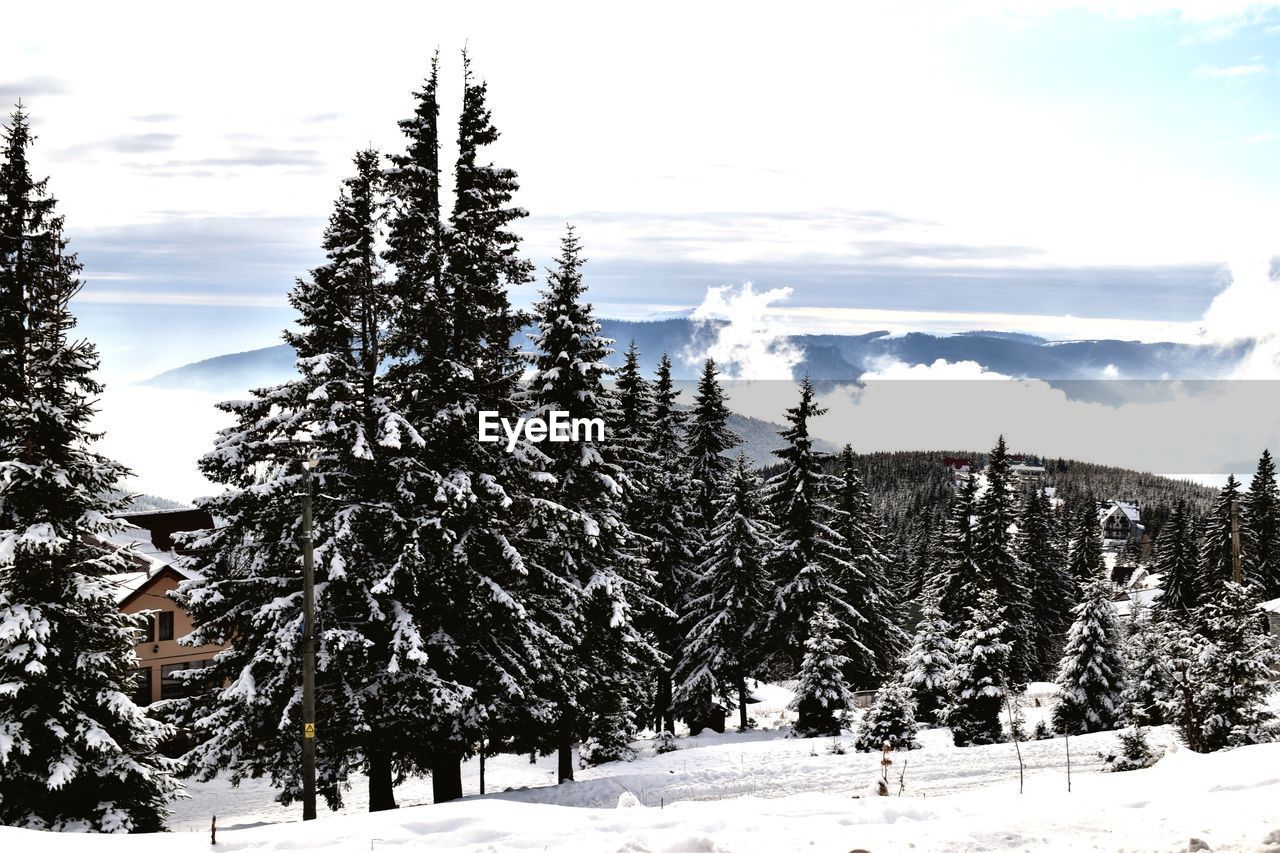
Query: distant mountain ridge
pixel 824 357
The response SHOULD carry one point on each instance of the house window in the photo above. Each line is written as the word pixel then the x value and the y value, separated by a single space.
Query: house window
pixel 141 685
pixel 150 630
pixel 166 625
pixel 174 686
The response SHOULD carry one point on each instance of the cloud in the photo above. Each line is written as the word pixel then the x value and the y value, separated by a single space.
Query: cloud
pixel 1257 138
pixel 1231 72
pixel 128 143
pixel 35 85
pixel 940 369
pixel 155 118
pixel 322 117
pixel 307 160
pixel 747 342
pixel 215 260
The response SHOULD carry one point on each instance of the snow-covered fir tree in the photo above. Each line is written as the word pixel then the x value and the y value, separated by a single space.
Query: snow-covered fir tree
pixel 1176 557
pixel 976 683
pixel 1147 667
pixel 1051 589
pixel 998 565
pixel 76 753
pixel 586 541
pixel 867 586
pixel 890 720
pixel 375 682
pixel 1260 527
pixel 707 440
pixel 812 559
pixel 1091 678
pixel 957 582
pixel 1216 565
pixel 928 664
pixel 1085 563
pixel 665 515
pixel 823 698
pixel 1231 675
pixel 1136 751
pixel 729 604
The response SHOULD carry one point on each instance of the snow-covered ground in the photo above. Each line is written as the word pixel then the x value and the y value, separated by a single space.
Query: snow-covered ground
pixel 763 790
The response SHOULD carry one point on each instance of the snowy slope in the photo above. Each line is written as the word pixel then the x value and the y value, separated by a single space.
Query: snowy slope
pixel 765 791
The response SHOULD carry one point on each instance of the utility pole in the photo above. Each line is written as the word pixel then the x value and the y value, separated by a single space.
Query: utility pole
pixel 308 652
pixel 1237 573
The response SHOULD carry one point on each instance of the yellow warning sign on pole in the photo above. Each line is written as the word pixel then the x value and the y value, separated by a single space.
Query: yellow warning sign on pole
pixel 309 729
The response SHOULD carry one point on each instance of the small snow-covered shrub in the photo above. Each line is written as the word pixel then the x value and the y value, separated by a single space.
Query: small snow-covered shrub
pixel 890 720
pixel 596 751
pixel 664 742
pixel 1042 731
pixel 836 747
pixel 1135 751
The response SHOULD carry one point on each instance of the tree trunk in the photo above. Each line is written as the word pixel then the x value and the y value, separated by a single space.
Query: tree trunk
pixel 565 748
pixel 446 777
pixel 663 718
pixel 482 766
pixel 742 703
pixel 381 784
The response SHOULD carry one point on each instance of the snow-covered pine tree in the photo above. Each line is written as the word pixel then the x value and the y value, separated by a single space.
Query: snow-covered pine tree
pixel 76 753
pixel 1260 529
pixel 1234 672
pixel 729 603
pixel 506 615
pixel 928 664
pixel 957 583
pixel 981 668
pixel 890 720
pixel 665 515
pixel 1051 588
pixel 1176 556
pixel 1091 679
pixel 585 539
pixel 1147 668
pixel 379 694
pixel 1216 565
pixel 823 698
pixel 1085 563
pixel 868 588
pixel 811 559
pixel 1001 570
pixel 707 438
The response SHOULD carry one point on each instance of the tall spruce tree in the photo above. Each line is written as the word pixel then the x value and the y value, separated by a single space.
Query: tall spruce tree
pixel 76 753
pixel 867 586
pixel 1176 556
pixel 1216 565
pixel 1091 679
pixel 999 566
pixel 812 559
pixel 957 583
pixel 1148 671
pixel 977 682
pixel 587 543
pixel 707 440
pixel 1222 669
pixel 379 692
pixel 488 498
pixel 1051 589
pixel 1260 524
pixel 729 603
pixel 1085 562
pixel 1234 672
pixel 928 664
pixel 666 517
